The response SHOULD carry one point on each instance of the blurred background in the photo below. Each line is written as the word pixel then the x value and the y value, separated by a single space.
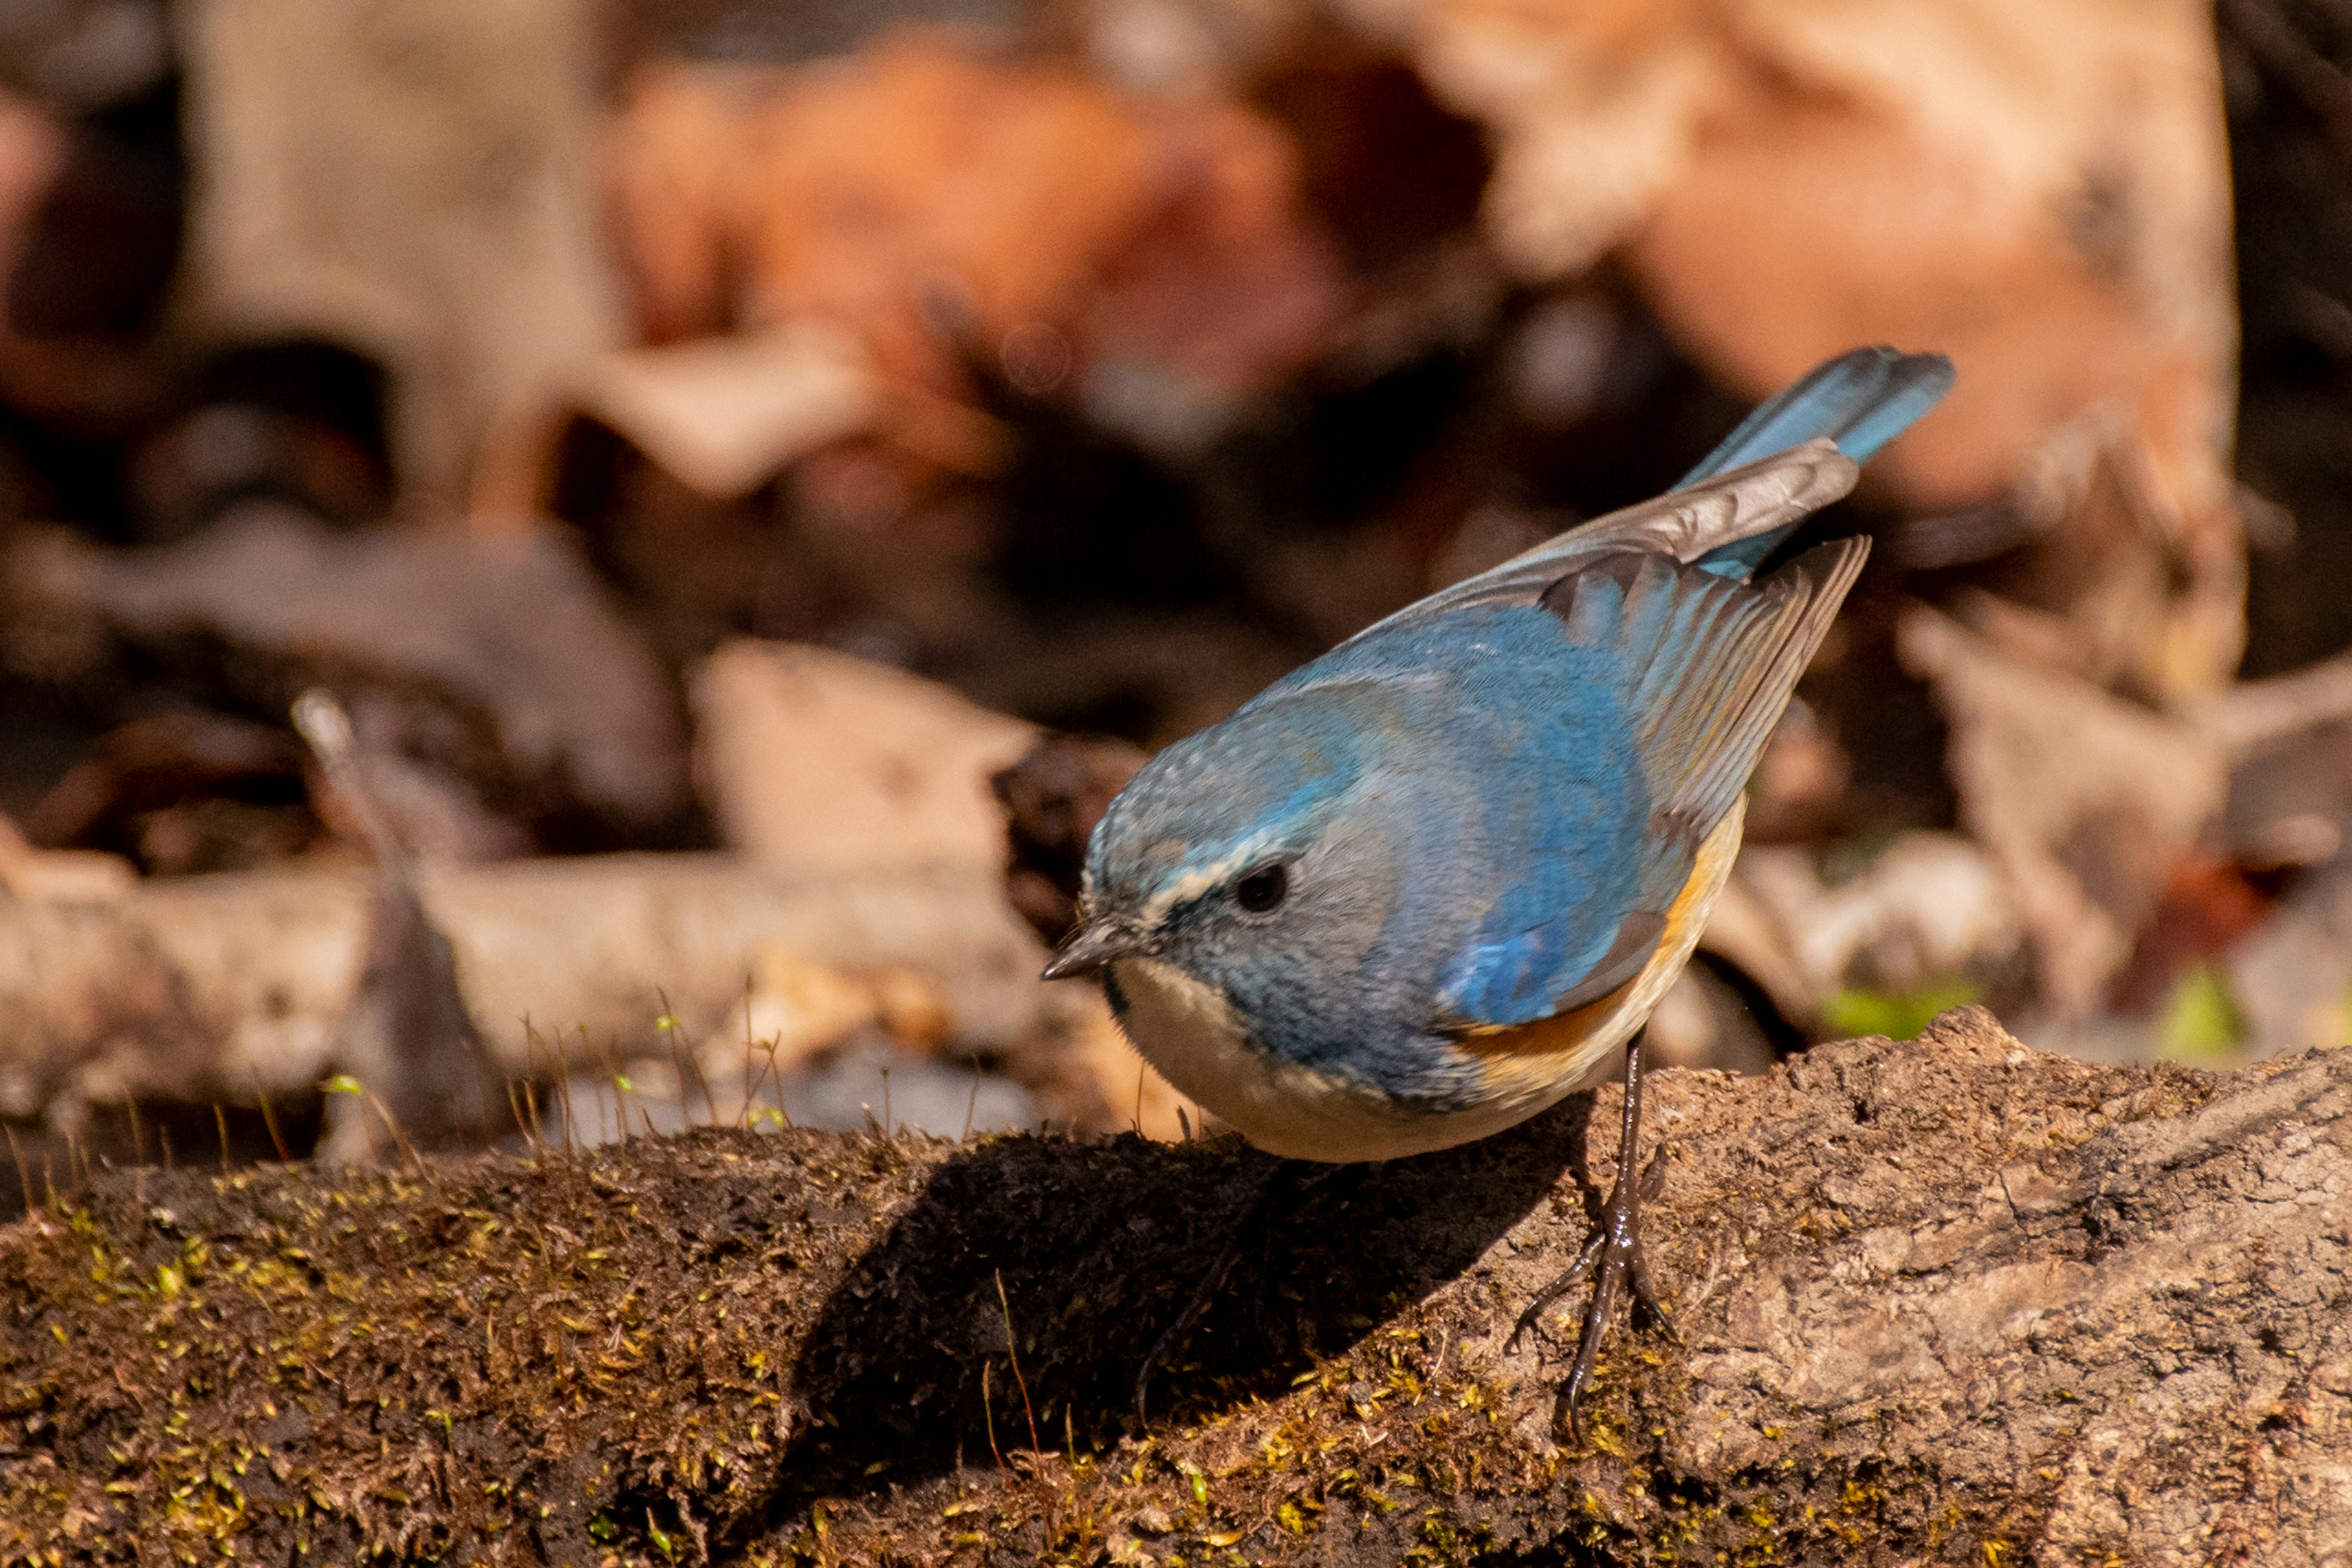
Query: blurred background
pixel 744 482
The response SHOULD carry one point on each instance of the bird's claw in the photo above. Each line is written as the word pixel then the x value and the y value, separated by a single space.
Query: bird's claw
pixel 1567 1280
pixel 1613 1257
pixel 1620 1268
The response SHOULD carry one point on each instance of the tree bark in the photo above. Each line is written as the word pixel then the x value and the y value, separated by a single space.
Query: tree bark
pixel 1942 1301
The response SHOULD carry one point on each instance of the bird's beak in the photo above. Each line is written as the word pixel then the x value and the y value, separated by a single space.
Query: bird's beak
pixel 1095 943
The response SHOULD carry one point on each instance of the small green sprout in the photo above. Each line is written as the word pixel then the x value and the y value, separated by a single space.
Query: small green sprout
pixel 1898 1015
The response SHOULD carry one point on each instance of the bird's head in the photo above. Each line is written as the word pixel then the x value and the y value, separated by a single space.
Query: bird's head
pixel 1244 856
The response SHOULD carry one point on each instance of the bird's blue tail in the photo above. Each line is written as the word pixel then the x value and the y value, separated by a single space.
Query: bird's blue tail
pixel 1862 400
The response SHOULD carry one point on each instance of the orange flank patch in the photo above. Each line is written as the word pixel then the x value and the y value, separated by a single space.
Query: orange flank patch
pixel 1555 1035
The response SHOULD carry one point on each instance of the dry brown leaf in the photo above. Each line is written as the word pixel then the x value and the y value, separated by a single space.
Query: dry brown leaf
pixel 794 1008
pixel 60 876
pixel 814 759
pixel 501 661
pixel 721 414
pixel 2111 584
pixel 671 155
pixel 412 181
pixel 2084 801
pixel 2041 190
pixel 1930 908
pixel 922 191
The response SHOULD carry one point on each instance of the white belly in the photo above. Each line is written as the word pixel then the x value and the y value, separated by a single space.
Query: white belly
pixel 1189 1033
pixel 1192 1034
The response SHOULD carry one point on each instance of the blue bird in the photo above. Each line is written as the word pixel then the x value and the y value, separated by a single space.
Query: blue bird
pixel 1429 884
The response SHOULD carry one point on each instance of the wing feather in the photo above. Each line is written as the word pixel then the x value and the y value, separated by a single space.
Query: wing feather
pixel 1759 498
pixel 1709 662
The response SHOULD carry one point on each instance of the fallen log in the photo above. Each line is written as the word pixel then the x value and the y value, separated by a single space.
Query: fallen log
pixel 1949 1302
pixel 222 988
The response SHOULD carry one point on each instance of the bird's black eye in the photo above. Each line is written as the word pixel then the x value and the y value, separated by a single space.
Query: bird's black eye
pixel 1262 889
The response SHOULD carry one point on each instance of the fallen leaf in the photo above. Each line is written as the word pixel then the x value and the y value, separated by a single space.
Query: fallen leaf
pixel 945 206
pixel 817 760
pixel 2084 801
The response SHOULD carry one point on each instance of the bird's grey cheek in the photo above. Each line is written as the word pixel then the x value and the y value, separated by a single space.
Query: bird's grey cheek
pixel 1355 877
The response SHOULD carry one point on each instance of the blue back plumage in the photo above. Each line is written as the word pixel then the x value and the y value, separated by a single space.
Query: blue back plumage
pixel 1515 746
pixel 1487 802
pixel 1861 400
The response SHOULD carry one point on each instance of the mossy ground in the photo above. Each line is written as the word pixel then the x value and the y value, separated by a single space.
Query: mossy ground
pixel 727 1345
pixel 808 1347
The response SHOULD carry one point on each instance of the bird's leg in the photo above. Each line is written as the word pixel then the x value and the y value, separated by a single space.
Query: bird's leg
pixel 1612 1255
pixel 1282 1176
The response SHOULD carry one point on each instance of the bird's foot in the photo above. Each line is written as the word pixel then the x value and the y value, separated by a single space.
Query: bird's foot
pixel 1613 1258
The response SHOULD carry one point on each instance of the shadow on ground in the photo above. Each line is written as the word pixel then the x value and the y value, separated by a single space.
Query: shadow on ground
pixel 1071 1260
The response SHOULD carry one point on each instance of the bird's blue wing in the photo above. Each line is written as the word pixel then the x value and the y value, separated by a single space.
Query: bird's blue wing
pixel 1704 662
pixel 1709 663
pixel 1703 666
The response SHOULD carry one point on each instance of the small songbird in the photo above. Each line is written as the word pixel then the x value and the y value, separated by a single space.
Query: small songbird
pixel 1431 882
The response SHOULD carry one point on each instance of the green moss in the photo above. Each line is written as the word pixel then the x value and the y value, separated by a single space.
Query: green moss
pixel 794 1348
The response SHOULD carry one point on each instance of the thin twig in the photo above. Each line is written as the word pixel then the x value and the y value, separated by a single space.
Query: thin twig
pixel 747 1053
pixel 534 1046
pixel 685 1048
pixel 398 1137
pixel 564 1092
pixel 320 720
pixel 988 1413
pixel 680 1058
pixel 772 1071
pixel 269 1120
pixel 1015 1355
pixel 24 1177
pixel 620 1094
pixel 514 1109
